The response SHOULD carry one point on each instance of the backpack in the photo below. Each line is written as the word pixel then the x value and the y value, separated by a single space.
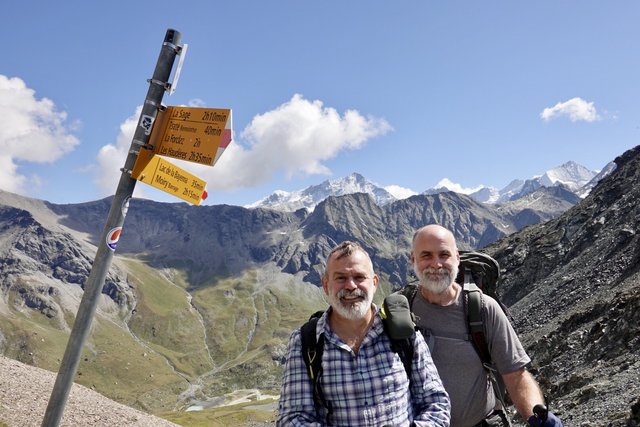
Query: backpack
pixel 479 274
pixel 398 323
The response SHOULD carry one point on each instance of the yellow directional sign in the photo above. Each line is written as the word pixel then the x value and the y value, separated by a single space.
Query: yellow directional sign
pixel 164 175
pixel 191 134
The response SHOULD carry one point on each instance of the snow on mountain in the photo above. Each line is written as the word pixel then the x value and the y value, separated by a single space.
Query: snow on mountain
pixel 480 193
pixel 586 189
pixel 486 195
pixel 400 192
pixel 571 175
pixel 446 184
pixel 309 197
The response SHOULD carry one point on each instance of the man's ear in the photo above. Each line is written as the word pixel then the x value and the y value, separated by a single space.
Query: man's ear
pixel 325 284
pixel 412 258
pixel 375 280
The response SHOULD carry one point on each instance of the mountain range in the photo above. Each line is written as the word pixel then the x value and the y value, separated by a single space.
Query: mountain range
pixel 200 301
pixel 574 177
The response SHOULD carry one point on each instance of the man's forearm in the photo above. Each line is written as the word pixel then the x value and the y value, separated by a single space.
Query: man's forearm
pixel 524 391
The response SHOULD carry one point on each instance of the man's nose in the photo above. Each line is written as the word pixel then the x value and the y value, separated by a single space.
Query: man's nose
pixel 350 283
pixel 434 263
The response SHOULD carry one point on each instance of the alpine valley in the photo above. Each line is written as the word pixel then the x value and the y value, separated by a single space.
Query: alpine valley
pixel 200 301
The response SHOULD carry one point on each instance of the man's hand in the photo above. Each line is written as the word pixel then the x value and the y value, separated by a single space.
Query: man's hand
pixel 543 418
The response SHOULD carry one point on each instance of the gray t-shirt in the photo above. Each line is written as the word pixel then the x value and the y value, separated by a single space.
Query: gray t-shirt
pixel 459 366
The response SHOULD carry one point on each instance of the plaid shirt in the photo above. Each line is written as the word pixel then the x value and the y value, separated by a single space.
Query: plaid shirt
pixel 368 388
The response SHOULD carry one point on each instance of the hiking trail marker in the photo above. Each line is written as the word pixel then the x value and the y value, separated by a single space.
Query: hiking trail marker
pixel 198 135
pixel 192 134
pixel 164 175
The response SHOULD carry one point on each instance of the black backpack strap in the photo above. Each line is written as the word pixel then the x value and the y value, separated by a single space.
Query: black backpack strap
pixel 410 292
pixel 404 348
pixel 312 350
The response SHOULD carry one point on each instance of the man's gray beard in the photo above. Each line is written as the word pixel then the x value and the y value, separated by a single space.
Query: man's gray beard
pixel 440 285
pixel 351 311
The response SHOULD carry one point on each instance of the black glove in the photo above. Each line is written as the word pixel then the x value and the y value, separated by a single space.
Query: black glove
pixel 543 418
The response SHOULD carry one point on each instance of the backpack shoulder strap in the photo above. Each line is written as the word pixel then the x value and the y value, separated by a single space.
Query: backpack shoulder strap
pixel 404 348
pixel 473 305
pixel 410 292
pixel 399 325
pixel 311 347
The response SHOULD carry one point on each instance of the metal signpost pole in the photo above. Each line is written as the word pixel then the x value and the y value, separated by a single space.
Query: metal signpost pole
pixel 107 244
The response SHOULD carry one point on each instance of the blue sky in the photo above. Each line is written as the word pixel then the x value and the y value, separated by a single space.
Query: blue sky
pixel 405 93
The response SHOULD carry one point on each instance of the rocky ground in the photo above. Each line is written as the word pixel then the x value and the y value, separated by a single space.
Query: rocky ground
pixel 25 392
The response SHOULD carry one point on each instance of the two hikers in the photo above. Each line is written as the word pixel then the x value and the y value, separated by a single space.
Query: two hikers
pixel 362 381
pixel 358 352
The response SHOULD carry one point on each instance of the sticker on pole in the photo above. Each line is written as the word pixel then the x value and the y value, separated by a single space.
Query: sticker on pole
pixel 112 237
pixel 146 123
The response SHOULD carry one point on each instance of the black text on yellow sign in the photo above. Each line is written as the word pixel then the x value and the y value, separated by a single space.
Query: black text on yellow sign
pixel 164 175
pixel 188 133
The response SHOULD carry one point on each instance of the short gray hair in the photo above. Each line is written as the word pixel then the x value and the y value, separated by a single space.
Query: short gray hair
pixel 344 249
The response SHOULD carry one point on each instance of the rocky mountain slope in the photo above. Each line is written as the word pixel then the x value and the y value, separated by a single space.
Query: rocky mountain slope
pixel 573 285
pixel 222 240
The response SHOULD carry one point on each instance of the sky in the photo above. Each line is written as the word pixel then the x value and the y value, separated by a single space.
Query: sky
pixel 409 94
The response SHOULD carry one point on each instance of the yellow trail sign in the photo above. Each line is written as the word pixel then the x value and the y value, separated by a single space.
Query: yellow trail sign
pixel 191 134
pixel 164 175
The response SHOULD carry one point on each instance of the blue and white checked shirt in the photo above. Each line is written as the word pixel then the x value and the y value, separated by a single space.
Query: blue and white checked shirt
pixel 368 388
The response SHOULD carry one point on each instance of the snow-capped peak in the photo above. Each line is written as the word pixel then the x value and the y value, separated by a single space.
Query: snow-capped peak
pixel 311 196
pixel 569 174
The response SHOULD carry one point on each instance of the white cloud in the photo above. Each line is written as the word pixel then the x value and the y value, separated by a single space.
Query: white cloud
pixel 457 188
pixel 31 130
pixel 295 138
pixel 400 192
pixel 111 158
pixel 575 108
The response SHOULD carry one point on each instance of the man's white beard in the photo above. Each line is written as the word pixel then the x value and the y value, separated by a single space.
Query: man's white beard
pixel 439 285
pixel 349 309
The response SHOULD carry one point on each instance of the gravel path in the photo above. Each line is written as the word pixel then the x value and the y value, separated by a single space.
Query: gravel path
pixel 25 392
